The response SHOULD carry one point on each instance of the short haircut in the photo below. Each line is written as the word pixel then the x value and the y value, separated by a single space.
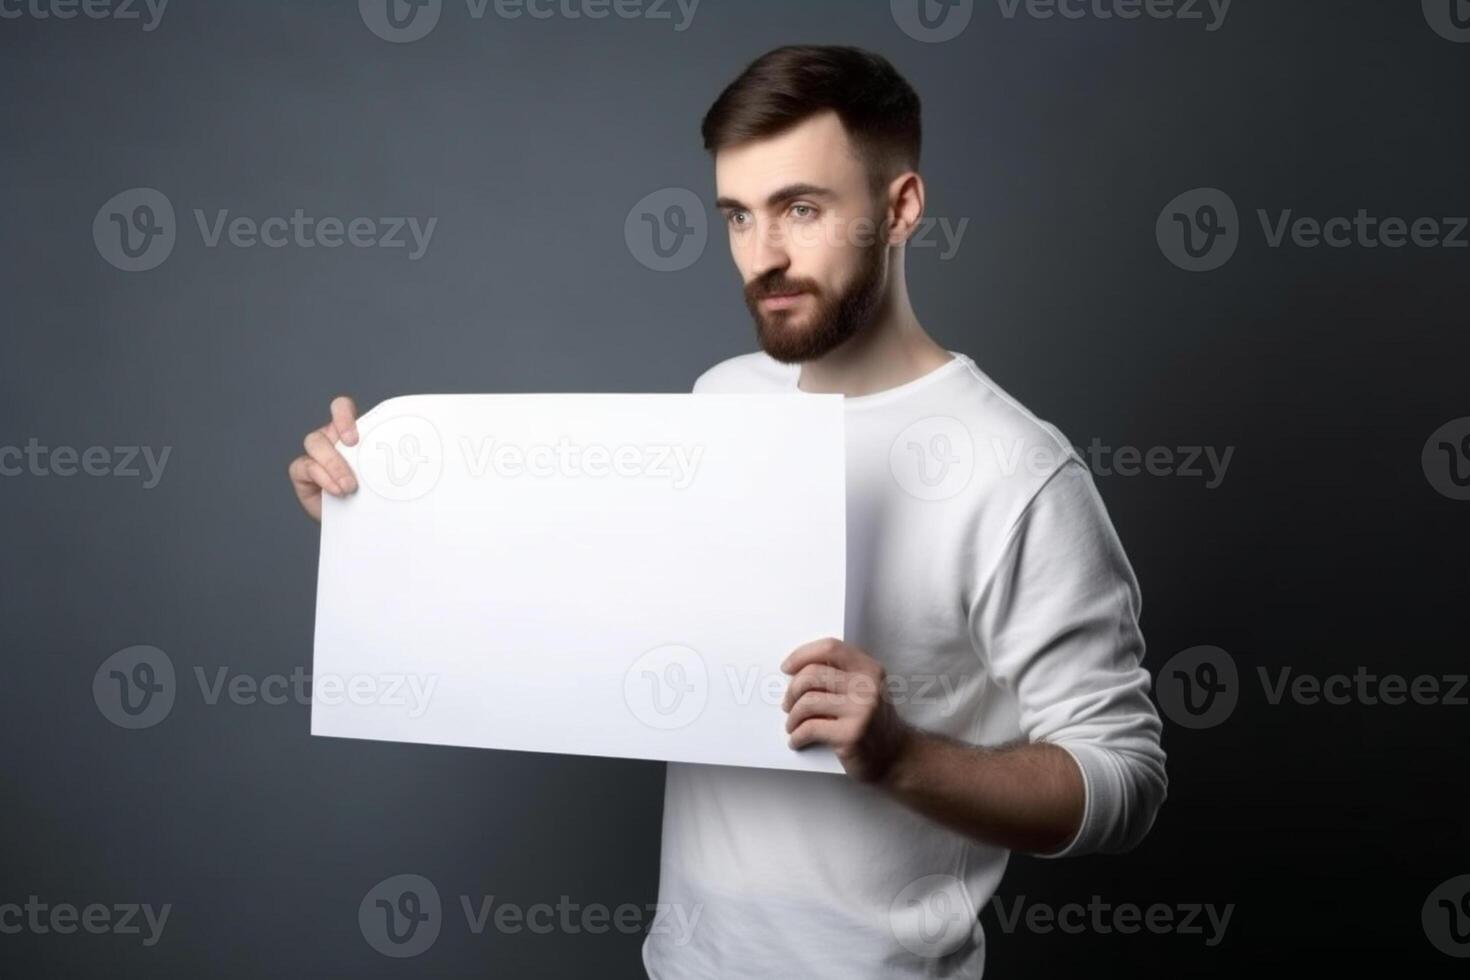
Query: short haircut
pixel 783 87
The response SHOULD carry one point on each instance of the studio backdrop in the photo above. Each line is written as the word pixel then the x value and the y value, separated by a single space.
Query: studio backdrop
pixel 1223 246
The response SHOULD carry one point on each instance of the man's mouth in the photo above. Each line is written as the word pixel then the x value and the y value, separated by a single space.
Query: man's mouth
pixel 777 301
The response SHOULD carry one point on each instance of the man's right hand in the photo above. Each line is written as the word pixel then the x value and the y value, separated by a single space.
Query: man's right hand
pixel 322 467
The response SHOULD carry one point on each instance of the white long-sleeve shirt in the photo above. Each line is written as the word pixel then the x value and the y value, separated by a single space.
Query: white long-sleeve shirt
pixel 984 574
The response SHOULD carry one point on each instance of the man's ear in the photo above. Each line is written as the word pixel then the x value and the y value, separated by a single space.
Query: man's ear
pixel 905 206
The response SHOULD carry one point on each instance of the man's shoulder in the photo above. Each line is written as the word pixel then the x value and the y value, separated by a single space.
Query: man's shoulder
pixel 994 413
pixel 747 374
pixel 1010 451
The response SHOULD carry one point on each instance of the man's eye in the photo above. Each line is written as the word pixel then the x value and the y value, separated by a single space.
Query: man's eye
pixel 803 210
pixel 736 218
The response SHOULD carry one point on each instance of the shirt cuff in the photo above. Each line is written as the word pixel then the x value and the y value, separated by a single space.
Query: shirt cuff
pixel 1093 764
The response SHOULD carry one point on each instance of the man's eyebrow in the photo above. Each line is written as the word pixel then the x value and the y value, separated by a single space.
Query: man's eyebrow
pixel 788 193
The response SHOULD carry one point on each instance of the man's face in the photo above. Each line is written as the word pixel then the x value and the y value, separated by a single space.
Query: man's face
pixel 805 234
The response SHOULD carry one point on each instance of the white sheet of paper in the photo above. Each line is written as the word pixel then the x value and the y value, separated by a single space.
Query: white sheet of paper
pixel 594 574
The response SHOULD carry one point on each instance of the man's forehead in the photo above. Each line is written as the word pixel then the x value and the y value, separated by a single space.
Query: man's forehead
pixel 815 151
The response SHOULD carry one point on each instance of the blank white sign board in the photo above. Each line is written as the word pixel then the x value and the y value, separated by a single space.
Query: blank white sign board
pixel 594 574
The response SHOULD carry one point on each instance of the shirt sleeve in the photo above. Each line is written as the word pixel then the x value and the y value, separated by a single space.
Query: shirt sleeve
pixel 1056 621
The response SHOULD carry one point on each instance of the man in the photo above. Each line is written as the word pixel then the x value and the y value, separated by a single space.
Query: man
pixel 987 694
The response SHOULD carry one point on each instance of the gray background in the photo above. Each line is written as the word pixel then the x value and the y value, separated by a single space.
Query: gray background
pixel 1325 548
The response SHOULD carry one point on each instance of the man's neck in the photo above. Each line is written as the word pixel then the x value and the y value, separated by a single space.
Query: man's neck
pixel 893 350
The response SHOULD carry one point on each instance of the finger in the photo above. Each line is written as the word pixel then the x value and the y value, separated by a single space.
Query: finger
pixel 324 479
pixel 817 731
pixel 828 649
pixel 813 677
pixel 344 419
pixel 301 480
pixel 310 478
pixel 816 704
pixel 320 449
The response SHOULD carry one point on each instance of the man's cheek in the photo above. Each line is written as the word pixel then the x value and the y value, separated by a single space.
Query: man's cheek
pixel 861 233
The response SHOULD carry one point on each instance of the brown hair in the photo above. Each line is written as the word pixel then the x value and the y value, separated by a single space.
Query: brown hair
pixel 878 108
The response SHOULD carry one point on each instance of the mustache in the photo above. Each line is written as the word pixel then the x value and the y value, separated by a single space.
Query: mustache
pixel 779 286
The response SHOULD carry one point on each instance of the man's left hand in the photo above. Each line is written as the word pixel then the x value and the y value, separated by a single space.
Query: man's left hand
pixel 838 696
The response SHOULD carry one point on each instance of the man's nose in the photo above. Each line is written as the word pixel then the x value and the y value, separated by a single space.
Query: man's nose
pixel 770 251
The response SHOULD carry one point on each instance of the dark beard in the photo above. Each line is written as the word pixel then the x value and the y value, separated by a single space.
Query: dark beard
pixel 834 320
